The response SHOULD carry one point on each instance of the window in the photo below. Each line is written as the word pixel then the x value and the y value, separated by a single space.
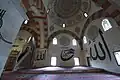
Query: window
pixel 106 24
pixel 63 25
pixel 117 56
pixel 85 14
pixel 48 10
pixel 53 61
pixel 26 21
pixel 74 42
pixel 29 39
pixel 55 41
pixel 84 39
pixel 76 60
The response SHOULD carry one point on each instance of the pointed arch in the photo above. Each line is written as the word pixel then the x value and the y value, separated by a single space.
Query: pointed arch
pixel 97 15
pixel 50 38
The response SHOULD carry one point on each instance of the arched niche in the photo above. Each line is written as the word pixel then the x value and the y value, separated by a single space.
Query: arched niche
pixel 65 49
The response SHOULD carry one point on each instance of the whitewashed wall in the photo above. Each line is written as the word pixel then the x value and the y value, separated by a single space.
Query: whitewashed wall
pixel 113 42
pixel 55 51
pixel 43 58
pixel 12 21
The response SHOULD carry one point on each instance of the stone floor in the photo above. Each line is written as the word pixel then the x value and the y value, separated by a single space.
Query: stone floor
pixel 56 73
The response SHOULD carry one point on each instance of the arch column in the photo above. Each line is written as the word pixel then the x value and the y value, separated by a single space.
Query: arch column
pixel 83 58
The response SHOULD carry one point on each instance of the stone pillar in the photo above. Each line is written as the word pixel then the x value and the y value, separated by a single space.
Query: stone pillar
pixel 41 34
pixel 83 58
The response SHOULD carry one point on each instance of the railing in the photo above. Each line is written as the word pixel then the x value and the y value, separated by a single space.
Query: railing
pixel 22 56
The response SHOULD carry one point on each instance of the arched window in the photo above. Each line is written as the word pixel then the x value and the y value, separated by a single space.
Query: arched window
pixel 84 39
pixel 26 21
pixel 74 42
pixel 106 24
pixel 54 41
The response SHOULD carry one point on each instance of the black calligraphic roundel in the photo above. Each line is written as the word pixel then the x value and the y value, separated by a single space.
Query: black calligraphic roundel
pixel 103 51
pixel 1 23
pixel 2 12
pixel 93 57
pixel 97 53
pixel 67 54
pixel 105 44
pixel 103 47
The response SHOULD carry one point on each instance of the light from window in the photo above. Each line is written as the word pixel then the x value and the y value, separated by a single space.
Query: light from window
pixel 63 25
pixel 26 21
pixel 29 39
pixel 48 10
pixel 106 24
pixel 76 60
pixel 74 42
pixel 84 39
pixel 85 14
pixel 55 41
pixel 117 56
pixel 53 61
pixel 33 39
